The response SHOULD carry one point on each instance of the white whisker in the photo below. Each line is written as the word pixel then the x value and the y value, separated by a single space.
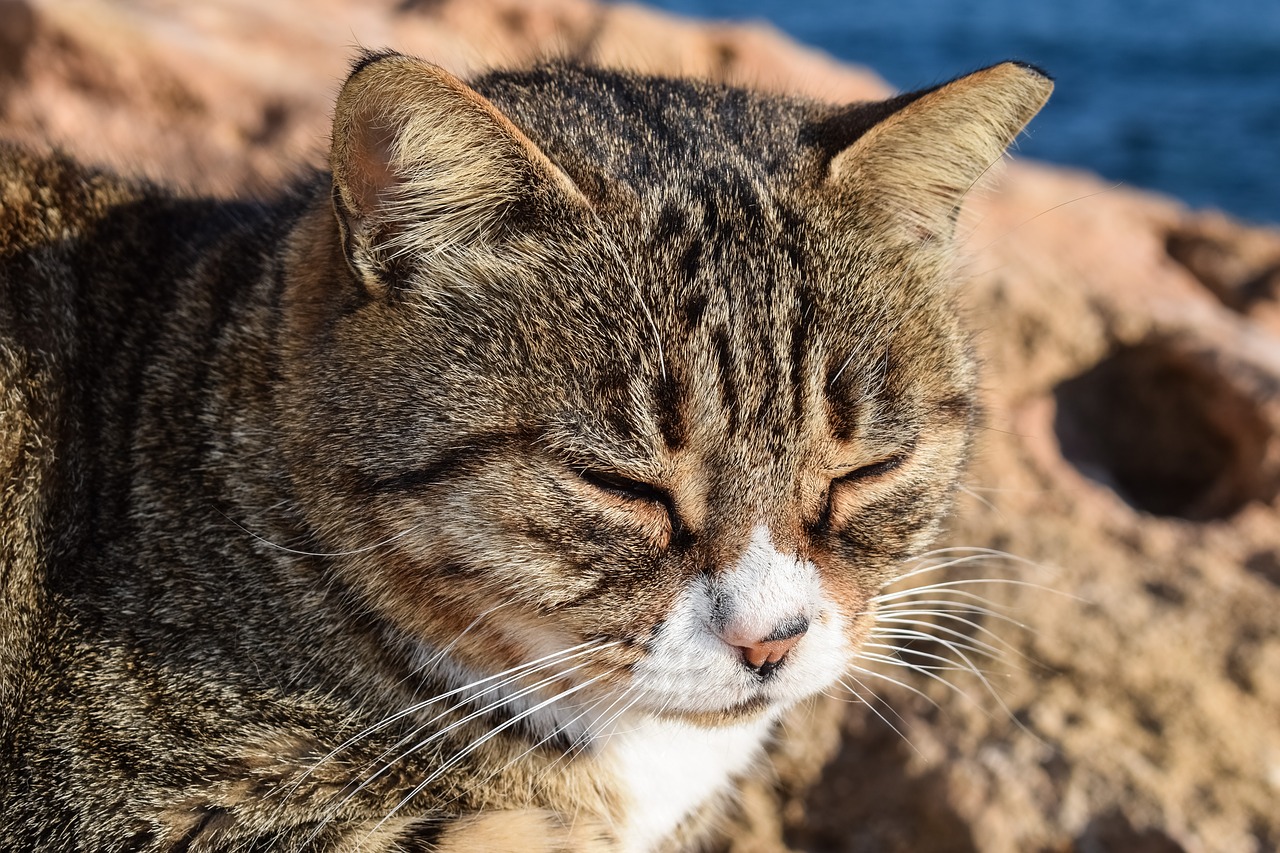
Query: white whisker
pixel 875 711
pixel 898 659
pixel 958 616
pixel 891 596
pixel 476 744
pixel 363 550
pixel 437 734
pixel 503 678
pixel 904 685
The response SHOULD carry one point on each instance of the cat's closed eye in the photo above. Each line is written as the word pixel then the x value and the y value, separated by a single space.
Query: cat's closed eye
pixel 873 470
pixel 624 487
pixel 865 473
pixel 652 505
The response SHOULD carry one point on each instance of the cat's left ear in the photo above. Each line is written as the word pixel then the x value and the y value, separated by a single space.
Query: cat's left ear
pixel 425 167
pixel 924 151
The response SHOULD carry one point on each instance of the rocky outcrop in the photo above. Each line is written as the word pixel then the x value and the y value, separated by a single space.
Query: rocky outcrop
pixel 1125 490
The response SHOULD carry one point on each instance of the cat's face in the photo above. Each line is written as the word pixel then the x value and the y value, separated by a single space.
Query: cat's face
pixel 691 434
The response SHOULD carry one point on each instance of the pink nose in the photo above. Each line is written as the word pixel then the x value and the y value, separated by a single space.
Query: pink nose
pixel 770 650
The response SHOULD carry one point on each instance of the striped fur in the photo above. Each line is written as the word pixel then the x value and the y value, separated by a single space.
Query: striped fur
pixel 426 506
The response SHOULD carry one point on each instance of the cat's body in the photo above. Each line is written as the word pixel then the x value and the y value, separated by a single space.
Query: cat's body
pixel 620 417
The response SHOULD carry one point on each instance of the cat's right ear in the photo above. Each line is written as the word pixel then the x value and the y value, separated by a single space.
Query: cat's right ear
pixel 423 167
pixel 909 162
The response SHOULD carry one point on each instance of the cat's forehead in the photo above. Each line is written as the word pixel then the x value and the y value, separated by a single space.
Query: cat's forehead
pixel 751 337
pixel 708 191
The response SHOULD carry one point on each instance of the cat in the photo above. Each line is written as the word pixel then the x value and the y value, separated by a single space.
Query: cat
pixel 499 489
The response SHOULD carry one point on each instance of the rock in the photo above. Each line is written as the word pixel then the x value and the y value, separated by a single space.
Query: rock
pixel 17 28
pixel 1125 488
pixel 1241 266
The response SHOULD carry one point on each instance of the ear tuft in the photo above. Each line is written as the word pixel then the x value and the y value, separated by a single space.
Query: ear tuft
pixel 913 168
pixel 422 164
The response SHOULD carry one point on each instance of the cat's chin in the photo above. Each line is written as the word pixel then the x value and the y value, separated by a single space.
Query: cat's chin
pixel 734 715
pixel 730 708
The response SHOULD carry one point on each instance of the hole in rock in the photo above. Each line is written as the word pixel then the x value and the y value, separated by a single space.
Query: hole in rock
pixel 1166 431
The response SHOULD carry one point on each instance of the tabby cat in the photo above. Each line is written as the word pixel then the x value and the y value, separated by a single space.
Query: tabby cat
pixel 498 490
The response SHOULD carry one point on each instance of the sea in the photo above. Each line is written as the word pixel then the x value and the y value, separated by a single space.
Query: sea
pixel 1180 96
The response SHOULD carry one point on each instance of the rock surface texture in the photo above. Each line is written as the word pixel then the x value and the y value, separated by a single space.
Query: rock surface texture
pixel 1127 481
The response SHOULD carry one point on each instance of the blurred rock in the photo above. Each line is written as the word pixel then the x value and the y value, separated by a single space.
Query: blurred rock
pixel 17 29
pixel 1241 266
pixel 1126 482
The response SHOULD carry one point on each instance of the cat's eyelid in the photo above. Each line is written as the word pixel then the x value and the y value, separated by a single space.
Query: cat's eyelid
pixel 873 469
pixel 623 485
pixel 882 463
pixel 628 469
pixel 628 490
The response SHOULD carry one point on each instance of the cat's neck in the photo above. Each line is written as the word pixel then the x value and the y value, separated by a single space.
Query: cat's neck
pixel 669 770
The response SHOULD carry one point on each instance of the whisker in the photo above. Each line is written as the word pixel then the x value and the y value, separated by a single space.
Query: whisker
pixel 505 700
pixel 925 630
pixel 963 641
pixel 582 744
pixel 928 672
pixel 904 685
pixel 476 744
pixel 980 499
pixel 972 555
pixel 899 658
pixel 890 596
pixel 435 735
pixel 959 650
pixel 955 615
pixel 505 677
pixel 958 616
pixel 286 549
pixel 876 711
pixel 957 601
pixel 1031 219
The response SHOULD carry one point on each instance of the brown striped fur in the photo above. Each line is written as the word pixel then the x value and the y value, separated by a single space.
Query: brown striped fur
pixel 528 368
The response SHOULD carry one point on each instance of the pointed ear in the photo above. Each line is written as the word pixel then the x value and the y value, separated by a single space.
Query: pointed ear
pixel 913 167
pixel 422 164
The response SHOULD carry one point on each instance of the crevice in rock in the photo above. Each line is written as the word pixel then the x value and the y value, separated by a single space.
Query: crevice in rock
pixel 1266 564
pixel 1240 270
pixel 1113 833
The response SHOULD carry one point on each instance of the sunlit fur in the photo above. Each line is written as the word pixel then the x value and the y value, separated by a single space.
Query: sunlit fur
pixel 423 508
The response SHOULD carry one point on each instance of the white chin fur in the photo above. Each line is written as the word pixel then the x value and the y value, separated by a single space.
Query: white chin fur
pixel 691 669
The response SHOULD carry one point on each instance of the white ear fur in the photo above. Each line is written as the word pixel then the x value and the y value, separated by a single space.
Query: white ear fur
pixel 423 164
pixel 914 168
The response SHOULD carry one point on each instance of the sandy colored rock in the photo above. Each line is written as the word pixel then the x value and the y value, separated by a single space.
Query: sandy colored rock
pixel 1126 481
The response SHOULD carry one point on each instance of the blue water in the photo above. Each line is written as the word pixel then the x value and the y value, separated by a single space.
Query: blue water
pixel 1181 96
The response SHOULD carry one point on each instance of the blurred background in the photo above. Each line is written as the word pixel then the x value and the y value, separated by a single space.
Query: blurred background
pixel 1181 96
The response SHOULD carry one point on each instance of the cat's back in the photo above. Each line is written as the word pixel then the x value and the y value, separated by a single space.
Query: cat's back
pixel 46 202
pixel 82 255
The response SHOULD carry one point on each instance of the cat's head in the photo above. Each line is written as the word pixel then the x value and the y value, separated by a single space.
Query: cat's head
pixel 664 368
